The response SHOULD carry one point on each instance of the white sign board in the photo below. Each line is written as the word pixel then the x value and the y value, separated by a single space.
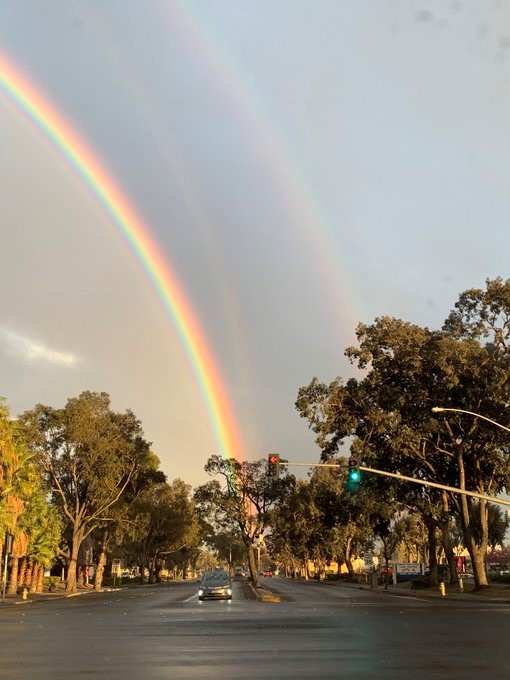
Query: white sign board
pixel 368 559
pixel 410 569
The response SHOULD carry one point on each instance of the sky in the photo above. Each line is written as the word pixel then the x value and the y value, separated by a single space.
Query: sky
pixel 300 167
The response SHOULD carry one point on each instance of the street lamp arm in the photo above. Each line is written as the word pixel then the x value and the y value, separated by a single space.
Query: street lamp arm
pixel 435 485
pixel 440 409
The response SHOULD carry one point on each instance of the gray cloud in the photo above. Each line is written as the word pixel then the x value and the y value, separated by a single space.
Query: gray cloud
pixel 29 350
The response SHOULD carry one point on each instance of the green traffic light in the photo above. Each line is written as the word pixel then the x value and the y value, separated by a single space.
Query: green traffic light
pixel 354 475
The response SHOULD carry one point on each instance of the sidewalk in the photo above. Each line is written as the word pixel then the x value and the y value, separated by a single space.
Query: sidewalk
pixel 46 596
pixel 494 594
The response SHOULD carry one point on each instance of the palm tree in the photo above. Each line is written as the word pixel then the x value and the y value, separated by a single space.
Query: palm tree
pixel 17 476
pixel 43 527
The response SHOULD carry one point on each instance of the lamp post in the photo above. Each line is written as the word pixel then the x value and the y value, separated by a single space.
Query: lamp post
pixel 440 409
pixel 7 551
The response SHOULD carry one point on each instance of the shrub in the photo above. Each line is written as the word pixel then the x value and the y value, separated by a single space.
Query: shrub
pixel 499 578
pixel 420 582
pixel 51 582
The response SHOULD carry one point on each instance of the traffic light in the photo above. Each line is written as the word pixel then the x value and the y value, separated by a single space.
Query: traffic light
pixel 353 474
pixel 273 465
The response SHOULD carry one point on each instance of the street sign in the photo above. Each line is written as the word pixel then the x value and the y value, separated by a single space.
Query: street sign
pixel 408 569
pixel 368 559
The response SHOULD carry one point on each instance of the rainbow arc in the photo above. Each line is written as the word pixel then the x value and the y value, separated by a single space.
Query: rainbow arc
pixel 18 89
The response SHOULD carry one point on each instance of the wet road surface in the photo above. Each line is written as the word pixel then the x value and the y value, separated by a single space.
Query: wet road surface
pixel 321 631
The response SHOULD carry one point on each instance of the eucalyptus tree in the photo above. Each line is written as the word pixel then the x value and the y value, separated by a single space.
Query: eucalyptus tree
pixel 116 529
pixel 294 528
pixel 322 519
pixel 88 454
pixel 164 522
pixel 239 499
pixel 227 545
pixel 498 522
pixel 405 371
pixel 391 532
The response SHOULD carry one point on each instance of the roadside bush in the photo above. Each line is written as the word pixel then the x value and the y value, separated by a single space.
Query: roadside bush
pixel 334 577
pixel 420 582
pixel 499 578
pixel 51 582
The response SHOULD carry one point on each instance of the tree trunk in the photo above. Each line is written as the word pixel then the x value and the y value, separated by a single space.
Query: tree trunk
pixel 348 561
pixel 71 582
pixel 152 570
pixel 293 566
pixel 338 567
pixel 40 579
pixel 13 579
pixel 452 566
pixel 80 576
pixel 33 579
pixel 71 576
pixel 307 567
pixel 446 539
pixel 141 566
pixel 99 571
pixel 28 573
pixel 479 570
pixel 387 574
pixel 22 571
pixel 252 564
pixel 430 523
pixel 477 550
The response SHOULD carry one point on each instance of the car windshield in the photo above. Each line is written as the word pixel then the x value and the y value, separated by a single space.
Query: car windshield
pixel 215 578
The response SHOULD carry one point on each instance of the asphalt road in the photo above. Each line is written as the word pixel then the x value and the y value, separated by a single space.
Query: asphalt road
pixel 321 631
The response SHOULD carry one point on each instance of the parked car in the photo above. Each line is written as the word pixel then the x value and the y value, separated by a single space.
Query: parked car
pixel 215 585
pixel 268 572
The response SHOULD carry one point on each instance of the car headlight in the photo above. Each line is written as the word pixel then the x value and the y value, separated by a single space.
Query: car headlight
pixel 200 593
pixel 229 591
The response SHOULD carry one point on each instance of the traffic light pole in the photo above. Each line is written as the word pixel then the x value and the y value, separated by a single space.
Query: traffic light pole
pixel 394 475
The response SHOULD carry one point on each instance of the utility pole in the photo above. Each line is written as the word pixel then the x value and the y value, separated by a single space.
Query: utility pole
pixel 7 552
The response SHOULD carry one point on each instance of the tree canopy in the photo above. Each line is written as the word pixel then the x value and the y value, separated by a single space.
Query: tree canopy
pixel 406 370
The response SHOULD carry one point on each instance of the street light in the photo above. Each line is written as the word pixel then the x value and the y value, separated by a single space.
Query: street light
pixel 440 409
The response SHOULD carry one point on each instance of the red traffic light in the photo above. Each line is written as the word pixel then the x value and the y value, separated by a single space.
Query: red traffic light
pixel 273 465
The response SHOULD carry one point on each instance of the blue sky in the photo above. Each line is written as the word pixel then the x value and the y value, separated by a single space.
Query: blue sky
pixel 304 166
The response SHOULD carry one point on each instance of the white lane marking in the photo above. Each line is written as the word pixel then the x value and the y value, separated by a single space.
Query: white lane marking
pixel 192 597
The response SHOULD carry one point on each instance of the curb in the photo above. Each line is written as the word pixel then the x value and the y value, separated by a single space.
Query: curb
pixel 431 595
pixel 262 594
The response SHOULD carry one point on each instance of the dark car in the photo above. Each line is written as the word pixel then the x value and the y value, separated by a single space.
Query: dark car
pixel 215 585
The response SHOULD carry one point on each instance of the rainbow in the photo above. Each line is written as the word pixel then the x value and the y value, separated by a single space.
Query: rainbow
pixel 322 238
pixel 43 114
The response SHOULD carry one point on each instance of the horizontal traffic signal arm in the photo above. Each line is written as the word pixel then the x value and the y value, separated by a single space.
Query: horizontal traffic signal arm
pixel 453 489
